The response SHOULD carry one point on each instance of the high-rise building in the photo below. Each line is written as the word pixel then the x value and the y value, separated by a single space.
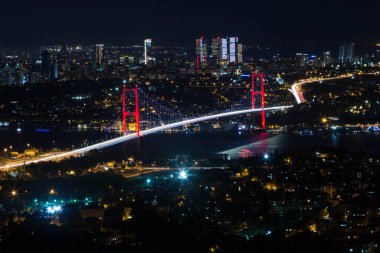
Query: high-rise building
pixel 342 53
pixel 56 71
pixel 45 62
pixel 377 54
pixel 240 53
pixel 346 53
pixel 215 49
pixel 63 56
pixel 301 59
pixel 201 52
pixel 327 60
pixel 147 50
pixel 224 49
pixel 232 49
pixel 350 53
pixel 99 54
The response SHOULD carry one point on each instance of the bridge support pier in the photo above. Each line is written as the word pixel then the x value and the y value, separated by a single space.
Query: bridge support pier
pixel 260 93
pixel 134 114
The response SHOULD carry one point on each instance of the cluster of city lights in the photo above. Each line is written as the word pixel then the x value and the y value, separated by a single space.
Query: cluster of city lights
pixel 54 209
pixel 182 174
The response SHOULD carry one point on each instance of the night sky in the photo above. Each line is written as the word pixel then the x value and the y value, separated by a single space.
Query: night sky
pixel 174 22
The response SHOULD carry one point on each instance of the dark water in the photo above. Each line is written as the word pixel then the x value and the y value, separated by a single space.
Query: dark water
pixel 51 138
pixel 197 145
pixel 354 142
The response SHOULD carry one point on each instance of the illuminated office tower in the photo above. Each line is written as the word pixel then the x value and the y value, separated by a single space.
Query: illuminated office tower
pixel 346 53
pixel 326 59
pixel 232 49
pixel 200 51
pixel 342 53
pixel 301 59
pixel 224 49
pixel 45 63
pixel 99 53
pixel 240 53
pixel 215 49
pixel 147 50
pixel 350 53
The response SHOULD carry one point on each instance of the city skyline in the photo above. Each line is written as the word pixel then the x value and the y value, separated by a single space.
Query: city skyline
pixel 190 126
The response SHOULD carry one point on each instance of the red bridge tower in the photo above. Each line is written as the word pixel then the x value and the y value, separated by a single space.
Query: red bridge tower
pixel 261 93
pixel 125 113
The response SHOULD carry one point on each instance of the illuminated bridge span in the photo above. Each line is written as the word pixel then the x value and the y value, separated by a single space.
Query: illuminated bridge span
pixel 132 136
pixel 152 116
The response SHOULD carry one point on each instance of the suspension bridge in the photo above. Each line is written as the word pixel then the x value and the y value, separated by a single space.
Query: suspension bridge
pixel 143 115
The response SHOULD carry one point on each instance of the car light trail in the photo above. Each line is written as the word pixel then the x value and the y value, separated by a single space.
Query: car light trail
pixel 297 95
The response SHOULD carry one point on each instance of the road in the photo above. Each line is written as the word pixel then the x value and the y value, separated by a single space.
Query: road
pixel 161 169
pixel 296 88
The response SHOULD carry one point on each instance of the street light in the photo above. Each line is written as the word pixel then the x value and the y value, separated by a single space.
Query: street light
pixel 13 193
pixel 183 174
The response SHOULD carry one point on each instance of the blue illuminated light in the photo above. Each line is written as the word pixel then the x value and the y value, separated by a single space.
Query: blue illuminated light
pixel 374 129
pixel 54 209
pixel 183 174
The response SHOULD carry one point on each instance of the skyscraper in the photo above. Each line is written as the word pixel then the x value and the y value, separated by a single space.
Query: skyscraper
pixel 346 53
pixel 63 56
pixel 215 49
pixel 301 59
pixel 350 53
pixel 147 50
pixel 201 52
pixel 326 59
pixel 45 62
pixel 224 49
pixel 240 53
pixel 232 48
pixel 342 53
pixel 99 54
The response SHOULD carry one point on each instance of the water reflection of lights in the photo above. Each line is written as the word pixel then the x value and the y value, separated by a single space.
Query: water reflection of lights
pixel 245 153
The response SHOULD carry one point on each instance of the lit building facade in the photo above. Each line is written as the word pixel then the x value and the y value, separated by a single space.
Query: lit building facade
pixel 99 54
pixel 201 52
pixel 147 50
